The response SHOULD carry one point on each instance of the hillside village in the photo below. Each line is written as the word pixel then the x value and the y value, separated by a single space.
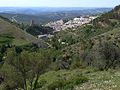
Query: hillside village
pixel 71 24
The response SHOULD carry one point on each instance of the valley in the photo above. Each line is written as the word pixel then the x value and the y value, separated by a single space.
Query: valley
pixel 59 48
pixel 46 15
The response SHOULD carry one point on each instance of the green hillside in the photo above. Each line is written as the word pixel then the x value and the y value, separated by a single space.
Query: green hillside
pixel 96 80
pixel 107 22
pixel 18 36
pixel 87 58
pixel 87 43
pixel 95 45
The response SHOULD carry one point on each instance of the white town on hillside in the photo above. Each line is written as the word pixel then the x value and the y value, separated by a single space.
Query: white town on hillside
pixel 76 22
pixel 71 24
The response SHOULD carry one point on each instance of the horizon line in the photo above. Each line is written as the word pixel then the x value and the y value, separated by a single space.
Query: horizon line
pixel 49 7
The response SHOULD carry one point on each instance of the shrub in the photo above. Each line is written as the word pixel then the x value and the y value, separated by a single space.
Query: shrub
pixel 110 54
pixel 69 84
pixel 41 83
pixel 65 84
pixel 76 62
pixel 56 84
pixel 103 56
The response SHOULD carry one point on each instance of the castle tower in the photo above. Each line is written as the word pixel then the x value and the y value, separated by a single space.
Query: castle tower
pixel 31 22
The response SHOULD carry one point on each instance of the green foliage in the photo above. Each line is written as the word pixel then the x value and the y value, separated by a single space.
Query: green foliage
pixel 9 33
pixel 6 39
pixel 95 45
pixel 56 85
pixel 63 80
pixel 39 30
pixel 110 55
pixel 86 44
pixel 26 68
pixel 76 62
pixel 104 21
pixel 105 56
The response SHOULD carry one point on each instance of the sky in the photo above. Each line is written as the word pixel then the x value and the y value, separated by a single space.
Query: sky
pixel 59 3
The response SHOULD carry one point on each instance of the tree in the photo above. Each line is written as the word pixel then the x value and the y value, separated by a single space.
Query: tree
pixel 26 69
pixel 110 53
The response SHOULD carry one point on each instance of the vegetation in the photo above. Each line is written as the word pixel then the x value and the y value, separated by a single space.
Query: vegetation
pixel 8 30
pixel 81 59
pixel 94 45
pixel 38 30
pixel 63 80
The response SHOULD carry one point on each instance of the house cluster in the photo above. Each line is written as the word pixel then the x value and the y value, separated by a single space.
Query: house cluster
pixel 71 24
pixel 57 25
pixel 76 22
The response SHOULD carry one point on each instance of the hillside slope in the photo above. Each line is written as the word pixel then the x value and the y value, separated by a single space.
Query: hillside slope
pixel 107 22
pixel 96 44
pixel 18 35
pixel 109 19
pixel 96 80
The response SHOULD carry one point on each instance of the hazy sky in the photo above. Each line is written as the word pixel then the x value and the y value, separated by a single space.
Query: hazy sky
pixel 60 3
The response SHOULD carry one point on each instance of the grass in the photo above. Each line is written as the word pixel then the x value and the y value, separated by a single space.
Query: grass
pixel 5 39
pixel 101 80
pixel 80 79
pixel 20 42
pixel 63 80
pixel 19 35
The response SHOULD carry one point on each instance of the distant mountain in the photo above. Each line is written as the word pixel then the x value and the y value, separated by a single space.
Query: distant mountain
pixel 39 10
pixel 45 15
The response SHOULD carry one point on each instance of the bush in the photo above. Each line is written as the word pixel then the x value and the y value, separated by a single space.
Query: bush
pixel 76 62
pixel 56 84
pixel 41 83
pixel 110 54
pixel 103 56
pixel 69 84
pixel 64 84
